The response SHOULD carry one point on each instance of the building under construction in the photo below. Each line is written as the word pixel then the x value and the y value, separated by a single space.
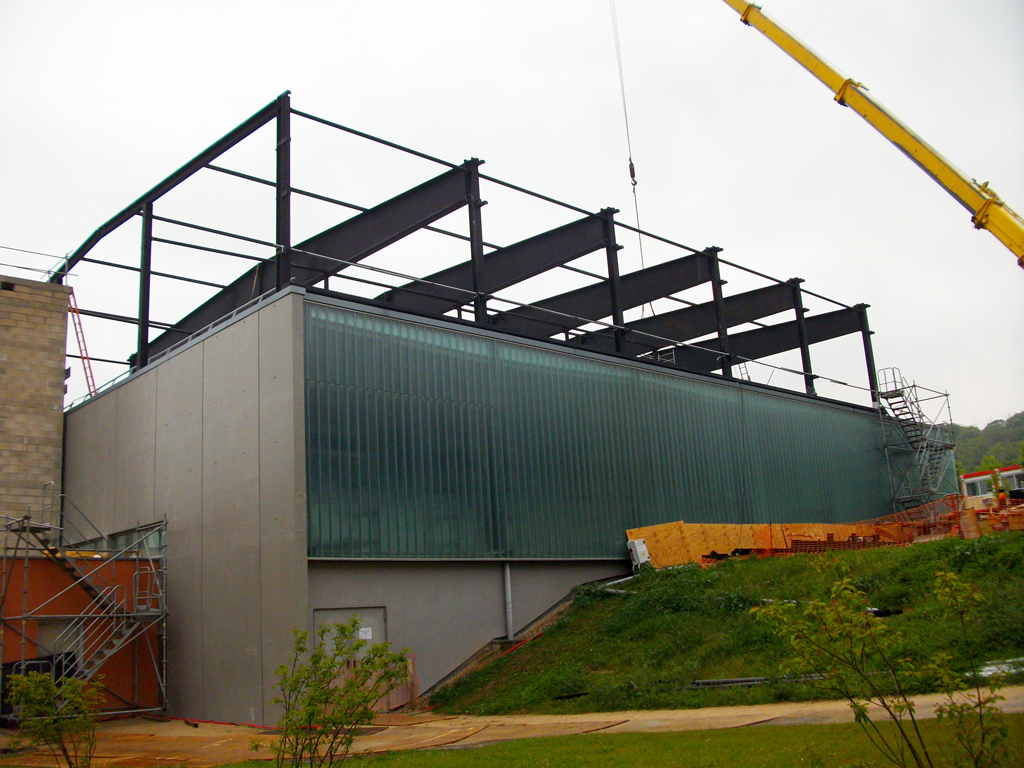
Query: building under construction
pixel 325 436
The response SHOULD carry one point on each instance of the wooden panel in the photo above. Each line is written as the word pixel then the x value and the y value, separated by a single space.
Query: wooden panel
pixel 679 543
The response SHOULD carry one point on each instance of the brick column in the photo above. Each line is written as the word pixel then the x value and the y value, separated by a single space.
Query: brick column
pixel 33 335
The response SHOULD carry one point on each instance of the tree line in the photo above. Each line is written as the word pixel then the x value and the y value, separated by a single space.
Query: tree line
pixel 999 444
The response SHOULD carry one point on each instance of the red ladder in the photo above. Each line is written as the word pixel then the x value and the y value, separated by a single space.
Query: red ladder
pixel 76 321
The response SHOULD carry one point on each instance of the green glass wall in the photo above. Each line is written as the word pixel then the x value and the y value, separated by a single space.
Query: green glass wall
pixel 429 442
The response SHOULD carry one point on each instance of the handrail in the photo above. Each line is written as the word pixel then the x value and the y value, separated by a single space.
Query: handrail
pixel 56 503
pixel 103 606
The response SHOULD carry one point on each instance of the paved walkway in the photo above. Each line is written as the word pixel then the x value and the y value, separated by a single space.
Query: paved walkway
pixel 141 742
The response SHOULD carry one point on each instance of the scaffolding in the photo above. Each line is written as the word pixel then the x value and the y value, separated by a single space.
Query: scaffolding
pixel 112 604
pixel 917 434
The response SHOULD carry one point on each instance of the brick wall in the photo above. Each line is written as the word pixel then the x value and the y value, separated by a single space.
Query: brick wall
pixel 33 335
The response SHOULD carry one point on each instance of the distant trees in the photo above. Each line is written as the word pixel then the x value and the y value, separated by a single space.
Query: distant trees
pixel 1000 442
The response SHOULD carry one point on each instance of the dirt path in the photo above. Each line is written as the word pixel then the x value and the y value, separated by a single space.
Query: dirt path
pixel 140 742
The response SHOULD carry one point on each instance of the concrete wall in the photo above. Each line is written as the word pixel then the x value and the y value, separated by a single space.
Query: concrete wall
pixel 211 439
pixel 443 611
pixel 33 335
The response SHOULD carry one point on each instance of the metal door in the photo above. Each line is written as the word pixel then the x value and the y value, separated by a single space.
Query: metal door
pixel 373 622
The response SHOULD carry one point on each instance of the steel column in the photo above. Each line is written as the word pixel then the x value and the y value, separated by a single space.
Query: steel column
pixel 283 237
pixel 869 354
pixel 720 322
pixel 476 238
pixel 614 286
pixel 801 329
pixel 145 272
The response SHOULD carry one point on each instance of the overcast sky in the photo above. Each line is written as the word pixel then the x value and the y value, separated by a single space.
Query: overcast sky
pixel 734 144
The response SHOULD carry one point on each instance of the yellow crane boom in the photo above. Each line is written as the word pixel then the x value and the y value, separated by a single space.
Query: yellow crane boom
pixel 988 211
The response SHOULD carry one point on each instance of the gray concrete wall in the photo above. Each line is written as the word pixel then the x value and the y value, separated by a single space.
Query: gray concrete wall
pixel 445 612
pixel 211 439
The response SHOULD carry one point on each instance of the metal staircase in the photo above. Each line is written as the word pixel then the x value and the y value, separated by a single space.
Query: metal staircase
pixel 918 438
pixel 123 577
pixel 44 537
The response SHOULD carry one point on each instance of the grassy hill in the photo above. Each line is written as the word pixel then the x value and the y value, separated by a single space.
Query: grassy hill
pixel 643 644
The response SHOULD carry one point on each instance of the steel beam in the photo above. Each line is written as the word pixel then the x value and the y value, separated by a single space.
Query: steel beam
pixel 347 243
pixel 153 272
pixel 366 233
pixel 502 267
pixel 720 323
pixel 764 342
pixel 257 281
pixel 614 285
pixel 648 333
pixel 555 315
pixel 122 319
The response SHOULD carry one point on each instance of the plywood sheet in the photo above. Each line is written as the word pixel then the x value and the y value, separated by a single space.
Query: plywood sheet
pixel 679 543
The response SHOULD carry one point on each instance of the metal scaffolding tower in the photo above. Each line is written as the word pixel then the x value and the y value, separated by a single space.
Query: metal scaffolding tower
pixel 917 433
pixel 119 579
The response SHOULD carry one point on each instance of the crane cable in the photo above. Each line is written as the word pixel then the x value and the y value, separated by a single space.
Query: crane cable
pixel 629 145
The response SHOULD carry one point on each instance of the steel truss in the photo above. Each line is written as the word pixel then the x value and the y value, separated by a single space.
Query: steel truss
pixel 697 337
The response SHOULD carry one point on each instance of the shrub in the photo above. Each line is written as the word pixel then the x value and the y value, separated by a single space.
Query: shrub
pixel 63 717
pixel 850 652
pixel 327 695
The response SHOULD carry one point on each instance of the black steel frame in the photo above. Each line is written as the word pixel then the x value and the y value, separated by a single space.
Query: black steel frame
pixel 665 339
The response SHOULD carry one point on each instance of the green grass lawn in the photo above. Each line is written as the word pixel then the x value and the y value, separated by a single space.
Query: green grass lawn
pixel 750 747
pixel 643 649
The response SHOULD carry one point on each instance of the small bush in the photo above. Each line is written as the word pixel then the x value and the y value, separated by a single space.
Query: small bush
pixel 852 653
pixel 63 717
pixel 327 695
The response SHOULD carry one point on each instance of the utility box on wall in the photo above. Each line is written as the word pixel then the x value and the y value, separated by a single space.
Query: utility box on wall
pixel 638 554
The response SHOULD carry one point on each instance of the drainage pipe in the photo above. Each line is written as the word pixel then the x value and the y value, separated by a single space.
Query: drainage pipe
pixel 510 631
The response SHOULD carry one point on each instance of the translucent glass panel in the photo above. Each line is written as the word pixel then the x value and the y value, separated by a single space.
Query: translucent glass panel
pixel 427 442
